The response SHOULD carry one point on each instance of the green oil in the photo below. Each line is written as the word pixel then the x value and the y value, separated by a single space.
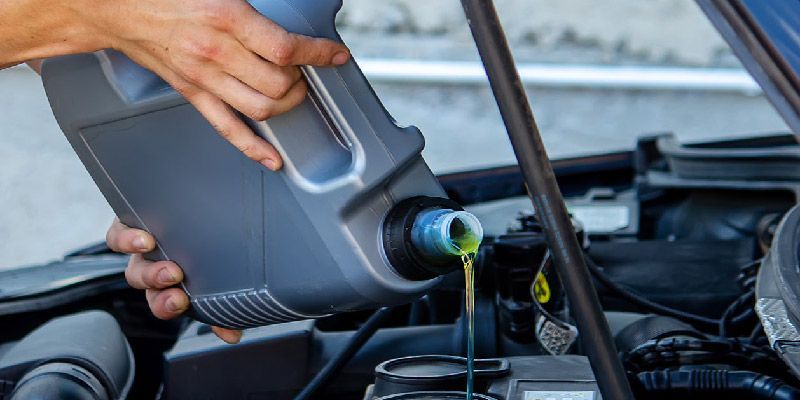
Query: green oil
pixel 467 243
pixel 465 240
pixel 469 301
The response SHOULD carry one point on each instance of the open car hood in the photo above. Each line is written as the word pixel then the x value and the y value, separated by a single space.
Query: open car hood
pixel 765 35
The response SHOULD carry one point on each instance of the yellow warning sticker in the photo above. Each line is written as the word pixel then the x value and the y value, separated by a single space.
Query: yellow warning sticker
pixel 541 289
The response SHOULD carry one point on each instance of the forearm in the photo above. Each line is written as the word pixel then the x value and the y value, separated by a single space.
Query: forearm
pixel 35 29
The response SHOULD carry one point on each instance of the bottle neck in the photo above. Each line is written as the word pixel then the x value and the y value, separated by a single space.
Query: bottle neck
pixel 444 233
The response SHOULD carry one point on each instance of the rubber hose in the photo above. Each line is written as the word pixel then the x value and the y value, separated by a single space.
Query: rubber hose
pixel 626 294
pixel 714 384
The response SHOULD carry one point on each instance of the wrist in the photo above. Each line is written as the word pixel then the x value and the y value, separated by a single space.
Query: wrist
pixel 35 29
pixel 85 29
pixel 109 22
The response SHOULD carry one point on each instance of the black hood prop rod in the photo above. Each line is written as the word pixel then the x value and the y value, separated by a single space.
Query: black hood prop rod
pixel 546 197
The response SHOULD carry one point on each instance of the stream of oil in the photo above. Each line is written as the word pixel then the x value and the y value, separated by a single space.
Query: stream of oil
pixel 469 301
pixel 467 243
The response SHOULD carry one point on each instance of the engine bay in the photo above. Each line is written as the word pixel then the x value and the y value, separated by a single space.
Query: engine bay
pixel 688 247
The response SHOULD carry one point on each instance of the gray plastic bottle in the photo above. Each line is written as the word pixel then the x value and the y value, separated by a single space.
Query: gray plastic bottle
pixel 330 232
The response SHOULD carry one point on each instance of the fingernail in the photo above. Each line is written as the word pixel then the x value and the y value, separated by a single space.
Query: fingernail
pixel 166 276
pixel 271 164
pixel 140 243
pixel 341 57
pixel 174 305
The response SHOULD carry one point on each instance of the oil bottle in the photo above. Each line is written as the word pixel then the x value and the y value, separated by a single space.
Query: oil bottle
pixel 354 220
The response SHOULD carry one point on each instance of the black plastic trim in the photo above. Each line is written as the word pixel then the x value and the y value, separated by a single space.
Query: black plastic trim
pixel 406 259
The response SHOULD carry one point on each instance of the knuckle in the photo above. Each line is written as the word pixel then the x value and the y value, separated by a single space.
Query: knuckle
pixel 295 74
pixel 297 100
pixel 150 276
pixel 283 51
pixel 261 112
pixel 224 130
pixel 192 73
pixel 282 84
pixel 246 148
pixel 296 95
pixel 219 15
pixel 203 49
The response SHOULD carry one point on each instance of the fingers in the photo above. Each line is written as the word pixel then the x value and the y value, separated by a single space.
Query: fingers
pixel 265 77
pixel 219 115
pixel 280 47
pixel 242 97
pixel 156 278
pixel 123 239
pixel 167 303
pixel 144 274
pixel 246 82
pixel 234 130
pixel 238 95
pixel 170 303
pixel 229 336
pixel 295 96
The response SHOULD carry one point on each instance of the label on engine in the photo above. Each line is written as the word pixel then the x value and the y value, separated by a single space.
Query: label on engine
pixel 541 289
pixel 602 219
pixel 558 395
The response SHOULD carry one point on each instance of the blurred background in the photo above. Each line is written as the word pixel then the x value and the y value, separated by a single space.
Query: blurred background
pixel 598 74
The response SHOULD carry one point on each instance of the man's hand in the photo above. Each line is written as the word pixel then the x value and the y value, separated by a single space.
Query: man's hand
pixel 222 55
pixel 158 279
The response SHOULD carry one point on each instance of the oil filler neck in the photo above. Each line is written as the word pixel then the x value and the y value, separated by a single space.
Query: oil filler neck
pixel 425 237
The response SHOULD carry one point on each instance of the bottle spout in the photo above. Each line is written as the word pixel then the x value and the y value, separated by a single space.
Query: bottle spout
pixel 425 237
pixel 445 233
